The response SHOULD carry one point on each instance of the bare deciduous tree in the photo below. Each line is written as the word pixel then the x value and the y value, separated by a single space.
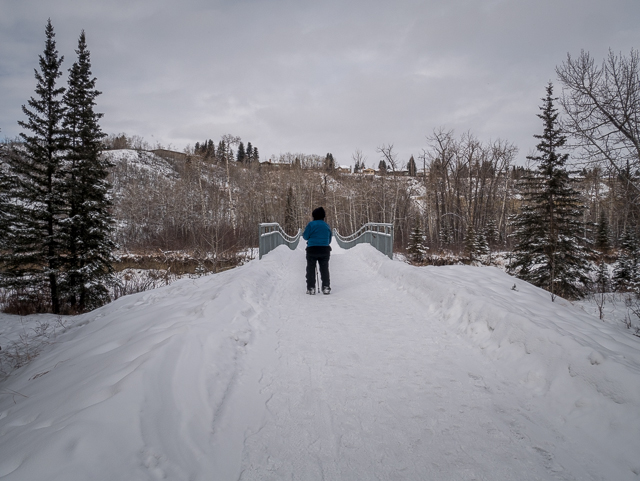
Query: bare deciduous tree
pixel 602 104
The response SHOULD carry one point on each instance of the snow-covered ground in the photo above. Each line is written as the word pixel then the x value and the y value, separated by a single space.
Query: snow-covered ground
pixel 141 160
pixel 412 373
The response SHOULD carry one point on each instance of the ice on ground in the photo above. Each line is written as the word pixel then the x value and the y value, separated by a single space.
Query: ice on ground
pixel 439 373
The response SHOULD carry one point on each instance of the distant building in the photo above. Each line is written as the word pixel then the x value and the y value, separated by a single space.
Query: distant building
pixel 270 164
pixel 344 169
pixel 170 154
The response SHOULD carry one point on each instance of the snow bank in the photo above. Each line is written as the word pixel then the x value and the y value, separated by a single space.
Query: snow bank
pixel 406 372
pixel 144 375
pixel 585 374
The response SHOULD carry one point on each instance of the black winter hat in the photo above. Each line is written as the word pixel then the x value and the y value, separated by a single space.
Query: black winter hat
pixel 318 214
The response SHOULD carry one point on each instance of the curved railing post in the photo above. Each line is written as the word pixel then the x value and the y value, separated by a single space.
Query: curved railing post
pixel 271 235
pixel 379 235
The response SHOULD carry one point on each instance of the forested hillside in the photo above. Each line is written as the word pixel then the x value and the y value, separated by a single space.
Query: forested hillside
pixel 207 205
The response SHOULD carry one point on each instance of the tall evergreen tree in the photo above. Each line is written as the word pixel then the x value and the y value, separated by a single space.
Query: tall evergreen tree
pixel 221 152
pixel 249 153
pixel 329 163
pixel 491 232
pixel 209 150
pixel 241 155
pixel 603 243
pixel 7 205
pixel 411 167
pixel 626 275
pixel 550 251
pixel 36 255
pixel 87 229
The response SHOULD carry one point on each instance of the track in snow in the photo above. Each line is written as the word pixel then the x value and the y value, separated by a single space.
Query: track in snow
pixel 362 384
pixel 242 376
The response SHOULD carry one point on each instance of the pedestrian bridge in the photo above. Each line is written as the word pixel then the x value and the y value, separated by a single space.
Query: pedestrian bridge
pixel 379 235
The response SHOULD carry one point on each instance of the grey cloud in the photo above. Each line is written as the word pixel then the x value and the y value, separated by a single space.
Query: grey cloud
pixel 314 76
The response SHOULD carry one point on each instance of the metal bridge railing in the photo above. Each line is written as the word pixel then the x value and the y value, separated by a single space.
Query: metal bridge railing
pixel 271 235
pixel 378 235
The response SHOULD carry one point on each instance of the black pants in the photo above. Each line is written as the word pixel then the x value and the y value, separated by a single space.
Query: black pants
pixel 319 254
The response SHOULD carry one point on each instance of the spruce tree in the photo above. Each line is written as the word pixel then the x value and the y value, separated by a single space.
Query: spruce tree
pixel 7 205
pixel 470 242
pixel 529 235
pixel 33 265
pixel 446 234
pixel 550 251
pixel 417 248
pixel 602 243
pixel 602 280
pixel 482 245
pixel 411 167
pixel 491 233
pixel 221 152
pixel 209 150
pixel 329 163
pixel 249 153
pixel 241 155
pixel 88 226
pixel 13 217
pixel 625 271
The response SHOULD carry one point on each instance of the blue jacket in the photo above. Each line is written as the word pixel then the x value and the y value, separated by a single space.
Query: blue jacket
pixel 317 233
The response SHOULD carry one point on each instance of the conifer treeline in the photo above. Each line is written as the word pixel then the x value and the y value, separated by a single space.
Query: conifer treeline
pixel 224 152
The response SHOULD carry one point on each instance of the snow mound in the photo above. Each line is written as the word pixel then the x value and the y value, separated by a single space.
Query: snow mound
pixel 402 372
pixel 547 340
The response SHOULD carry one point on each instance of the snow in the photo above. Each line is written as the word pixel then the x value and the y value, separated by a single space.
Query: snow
pixel 143 161
pixel 439 373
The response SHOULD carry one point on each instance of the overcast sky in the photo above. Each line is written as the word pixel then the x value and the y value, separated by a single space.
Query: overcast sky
pixel 314 76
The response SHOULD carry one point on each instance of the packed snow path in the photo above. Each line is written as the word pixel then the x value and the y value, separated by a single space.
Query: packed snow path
pixel 401 373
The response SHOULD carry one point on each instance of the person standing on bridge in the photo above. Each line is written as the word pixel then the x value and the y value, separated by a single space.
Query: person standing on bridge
pixel 318 237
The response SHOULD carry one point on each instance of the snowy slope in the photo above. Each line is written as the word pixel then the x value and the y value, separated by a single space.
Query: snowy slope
pixel 401 373
pixel 141 161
